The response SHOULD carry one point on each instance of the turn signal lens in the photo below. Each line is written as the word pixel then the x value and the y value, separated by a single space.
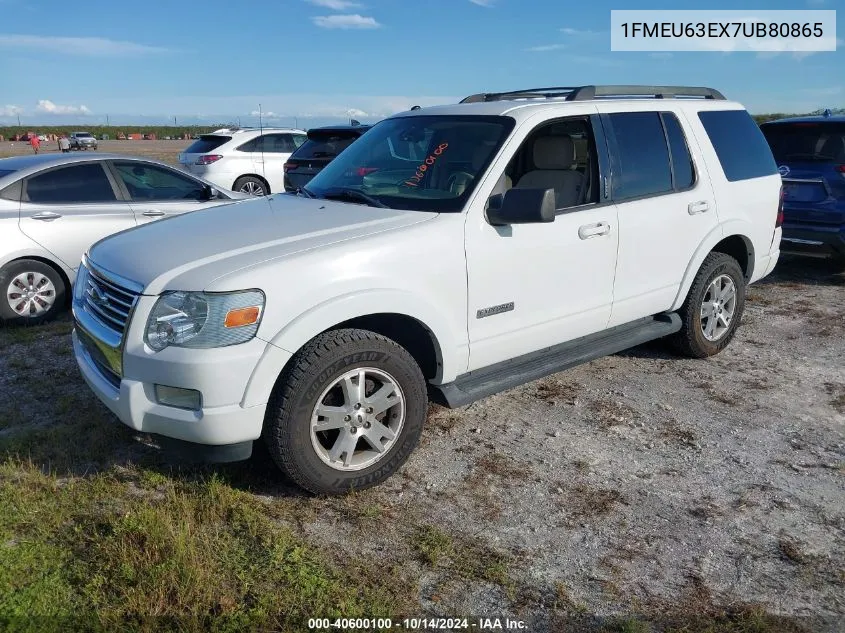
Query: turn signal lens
pixel 242 316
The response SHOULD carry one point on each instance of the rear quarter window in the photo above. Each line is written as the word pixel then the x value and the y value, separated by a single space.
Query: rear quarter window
pixel 740 145
pixel 207 143
pixel 323 146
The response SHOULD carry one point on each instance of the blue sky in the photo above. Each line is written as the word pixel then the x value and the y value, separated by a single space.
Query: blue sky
pixel 317 60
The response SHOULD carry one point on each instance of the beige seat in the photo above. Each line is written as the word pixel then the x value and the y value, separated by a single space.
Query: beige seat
pixel 554 159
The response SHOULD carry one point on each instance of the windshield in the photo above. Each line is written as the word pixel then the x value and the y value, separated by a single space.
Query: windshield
pixel 83 135
pixel 423 163
pixel 810 141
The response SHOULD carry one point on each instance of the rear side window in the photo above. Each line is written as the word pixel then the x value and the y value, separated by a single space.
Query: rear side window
pixel 75 184
pixel 12 192
pixel 642 155
pixel 740 145
pixel 207 143
pixel 683 172
pixel 806 141
pixel 324 146
pixel 270 144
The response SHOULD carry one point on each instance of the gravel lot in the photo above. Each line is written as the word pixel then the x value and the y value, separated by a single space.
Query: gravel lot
pixel 639 485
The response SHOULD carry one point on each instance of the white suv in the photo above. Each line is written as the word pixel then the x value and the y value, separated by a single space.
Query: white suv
pixel 248 160
pixel 453 251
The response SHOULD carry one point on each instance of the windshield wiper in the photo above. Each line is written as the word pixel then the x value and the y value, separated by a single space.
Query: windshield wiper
pixel 304 192
pixel 354 194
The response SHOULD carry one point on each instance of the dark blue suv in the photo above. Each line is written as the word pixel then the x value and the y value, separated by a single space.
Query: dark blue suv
pixel 810 153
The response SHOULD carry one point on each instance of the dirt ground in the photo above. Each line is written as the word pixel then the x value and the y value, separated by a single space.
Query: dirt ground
pixel 640 483
pixel 160 150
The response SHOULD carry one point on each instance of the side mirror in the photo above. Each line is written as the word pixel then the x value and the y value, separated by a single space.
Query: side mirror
pixel 209 193
pixel 521 206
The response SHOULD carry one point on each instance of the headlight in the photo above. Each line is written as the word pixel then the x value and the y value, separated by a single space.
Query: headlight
pixel 80 282
pixel 204 320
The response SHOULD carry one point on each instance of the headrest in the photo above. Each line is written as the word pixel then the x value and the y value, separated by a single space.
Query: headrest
pixel 554 152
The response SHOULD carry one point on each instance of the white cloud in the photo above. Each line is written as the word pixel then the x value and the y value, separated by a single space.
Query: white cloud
pixel 336 5
pixel 45 106
pixel 10 110
pixel 483 3
pixel 352 21
pixel 578 32
pixel 269 114
pixel 353 112
pixel 84 46
pixel 545 48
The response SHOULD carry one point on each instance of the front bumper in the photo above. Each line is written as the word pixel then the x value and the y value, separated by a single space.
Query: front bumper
pixel 134 402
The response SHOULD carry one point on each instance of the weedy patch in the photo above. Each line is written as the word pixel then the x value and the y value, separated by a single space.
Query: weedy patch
pixel 609 414
pixel 441 419
pixel 837 393
pixel 464 557
pixel 677 434
pixel 503 467
pixel 706 509
pixel 584 501
pixel 791 551
pixel 553 392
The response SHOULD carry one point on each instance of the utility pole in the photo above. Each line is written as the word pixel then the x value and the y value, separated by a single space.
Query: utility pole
pixel 107 120
pixel 174 122
pixel 19 119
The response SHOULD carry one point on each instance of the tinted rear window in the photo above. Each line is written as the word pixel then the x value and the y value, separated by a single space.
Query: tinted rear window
pixel 806 142
pixel 323 146
pixel 643 155
pixel 740 145
pixel 207 143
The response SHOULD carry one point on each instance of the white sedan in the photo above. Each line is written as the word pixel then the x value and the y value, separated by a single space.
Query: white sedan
pixel 53 207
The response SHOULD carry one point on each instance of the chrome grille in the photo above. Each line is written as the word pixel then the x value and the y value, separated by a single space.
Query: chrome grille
pixel 108 302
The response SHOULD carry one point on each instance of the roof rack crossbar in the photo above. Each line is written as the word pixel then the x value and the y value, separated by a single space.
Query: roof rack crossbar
pixel 587 93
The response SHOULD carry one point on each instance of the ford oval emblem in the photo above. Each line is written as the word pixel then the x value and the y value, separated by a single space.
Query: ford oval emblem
pixel 783 170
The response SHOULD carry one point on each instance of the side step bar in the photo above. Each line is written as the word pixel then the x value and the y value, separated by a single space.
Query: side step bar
pixel 518 371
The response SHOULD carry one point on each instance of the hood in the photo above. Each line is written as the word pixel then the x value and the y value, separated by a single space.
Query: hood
pixel 189 251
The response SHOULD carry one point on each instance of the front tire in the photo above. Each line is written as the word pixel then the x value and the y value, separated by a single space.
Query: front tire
pixel 33 292
pixel 713 308
pixel 347 412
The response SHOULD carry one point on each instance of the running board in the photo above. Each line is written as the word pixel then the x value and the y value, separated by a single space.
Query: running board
pixel 518 371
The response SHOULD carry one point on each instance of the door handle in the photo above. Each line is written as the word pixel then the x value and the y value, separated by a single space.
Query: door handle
pixel 153 213
pixel 698 207
pixel 46 216
pixel 593 230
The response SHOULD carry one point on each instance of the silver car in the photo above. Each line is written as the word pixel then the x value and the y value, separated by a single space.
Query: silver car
pixel 53 207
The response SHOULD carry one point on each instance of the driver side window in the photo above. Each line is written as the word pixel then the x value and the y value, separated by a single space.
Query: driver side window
pixel 155 183
pixel 559 155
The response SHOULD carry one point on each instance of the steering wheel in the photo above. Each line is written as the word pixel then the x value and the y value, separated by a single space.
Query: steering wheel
pixel 458 182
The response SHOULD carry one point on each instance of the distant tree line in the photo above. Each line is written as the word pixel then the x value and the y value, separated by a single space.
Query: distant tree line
pixel 112 130
pixel 161 131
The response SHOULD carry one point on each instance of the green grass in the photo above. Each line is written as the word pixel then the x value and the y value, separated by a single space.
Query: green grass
pixel 462 557
pixel 84 554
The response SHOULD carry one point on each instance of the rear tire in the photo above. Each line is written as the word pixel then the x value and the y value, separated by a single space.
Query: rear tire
pixel 332 432
pixel 252 185
pixel 713 308
pixel 33 292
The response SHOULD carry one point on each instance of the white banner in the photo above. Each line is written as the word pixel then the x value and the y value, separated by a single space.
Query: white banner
pixel 758 31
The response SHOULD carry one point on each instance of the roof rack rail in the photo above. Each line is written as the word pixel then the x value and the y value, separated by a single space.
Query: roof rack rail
pixel 587 93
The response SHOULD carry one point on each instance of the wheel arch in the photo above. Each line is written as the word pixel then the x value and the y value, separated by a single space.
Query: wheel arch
pixel 258 177
pixel 60 270
pixel 420 329
pixel 730 238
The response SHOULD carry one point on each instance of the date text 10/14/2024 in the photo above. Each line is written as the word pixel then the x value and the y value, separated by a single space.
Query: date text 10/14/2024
pixel 417 624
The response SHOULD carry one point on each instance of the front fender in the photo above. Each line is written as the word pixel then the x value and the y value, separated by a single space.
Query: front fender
pixel 720 232
pixel 451 349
